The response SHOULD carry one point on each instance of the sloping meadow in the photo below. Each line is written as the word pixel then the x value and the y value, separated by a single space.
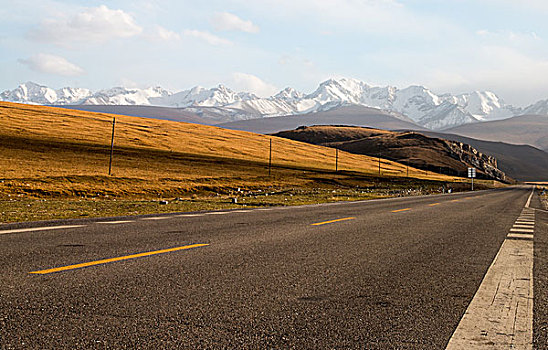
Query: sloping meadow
pixel 55 152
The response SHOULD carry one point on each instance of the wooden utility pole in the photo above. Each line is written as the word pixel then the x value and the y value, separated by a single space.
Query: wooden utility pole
pixel 270 159
pixel 111 147
pixel 379 163
pixel 336 159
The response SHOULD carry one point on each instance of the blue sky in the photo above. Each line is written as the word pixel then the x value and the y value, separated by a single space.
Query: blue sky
pixel 265 45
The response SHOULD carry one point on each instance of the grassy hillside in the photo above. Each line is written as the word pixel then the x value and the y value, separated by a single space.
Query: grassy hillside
pixel 53 153
pixel 413 148
pixel 520 162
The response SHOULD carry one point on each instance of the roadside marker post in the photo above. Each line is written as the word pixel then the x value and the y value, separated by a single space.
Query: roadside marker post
pixel 472 175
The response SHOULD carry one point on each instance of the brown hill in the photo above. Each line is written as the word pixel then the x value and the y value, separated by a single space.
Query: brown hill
pixel 522 130
pixel 155 112
pixel 345 115
pixel 413 148
pixel 520 162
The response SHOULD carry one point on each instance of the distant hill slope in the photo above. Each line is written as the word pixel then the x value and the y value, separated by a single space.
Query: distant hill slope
pixel 165 113
pixel 414 148
pixel 347 115
pixel 521 162
pixel 63 152
pixel 525 130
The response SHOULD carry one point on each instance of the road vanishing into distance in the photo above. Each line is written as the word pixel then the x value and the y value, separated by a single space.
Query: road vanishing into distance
pixel 452 271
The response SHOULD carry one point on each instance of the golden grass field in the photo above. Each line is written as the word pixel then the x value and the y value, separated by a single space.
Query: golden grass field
pixel 55 153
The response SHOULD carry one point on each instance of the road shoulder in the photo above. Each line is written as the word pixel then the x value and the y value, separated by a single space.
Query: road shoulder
pixel 540 277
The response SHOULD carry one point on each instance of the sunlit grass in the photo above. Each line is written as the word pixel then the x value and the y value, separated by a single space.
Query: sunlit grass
pixel 52 153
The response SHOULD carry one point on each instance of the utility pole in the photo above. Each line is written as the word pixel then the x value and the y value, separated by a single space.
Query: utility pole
pixel 111 147
pixel 336 159
pixel 270 159
pixel 379 163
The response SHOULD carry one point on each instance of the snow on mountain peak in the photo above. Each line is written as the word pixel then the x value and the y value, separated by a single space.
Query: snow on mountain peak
pixel 288 94
pixel 416 103
pixel 33 93
pixel 540 108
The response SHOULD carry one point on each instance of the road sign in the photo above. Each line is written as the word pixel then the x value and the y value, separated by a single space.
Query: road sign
pixel 472 172
pixel 472 175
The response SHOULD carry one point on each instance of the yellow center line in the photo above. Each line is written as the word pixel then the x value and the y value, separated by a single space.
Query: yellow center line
pixel 331 221
pixel 120 258
pixel 397 211
pixel 455 200
pixel 433 204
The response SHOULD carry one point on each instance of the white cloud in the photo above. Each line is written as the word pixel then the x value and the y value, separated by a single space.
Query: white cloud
pixel 207 37
pixel 51 64
pixel 97 25
pixel 523 4
pixel 518 78
pixel 383 17
pixel 224 21
pixel 510 36
pixel 252 83
pixel 160 33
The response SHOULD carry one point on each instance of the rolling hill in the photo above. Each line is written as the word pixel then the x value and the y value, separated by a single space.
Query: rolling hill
pixel 523 130
pixel 415 149
pixel 521 162
pixel 55 152
pixel 165 113
pixel 347 115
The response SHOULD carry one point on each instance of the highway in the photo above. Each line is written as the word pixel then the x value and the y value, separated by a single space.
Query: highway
pixel 384 274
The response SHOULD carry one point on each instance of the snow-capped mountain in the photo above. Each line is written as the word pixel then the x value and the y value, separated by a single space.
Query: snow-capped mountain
pixel 198 96
pixel 125 96
pixel 33 93
pixel 483 105
pixel 540 108
pixel 446 115
pixel 414 103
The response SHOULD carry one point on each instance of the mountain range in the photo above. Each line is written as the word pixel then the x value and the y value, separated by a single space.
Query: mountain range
pixel 416 104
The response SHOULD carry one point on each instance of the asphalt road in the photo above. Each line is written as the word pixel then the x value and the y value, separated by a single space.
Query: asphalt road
pixel 395 273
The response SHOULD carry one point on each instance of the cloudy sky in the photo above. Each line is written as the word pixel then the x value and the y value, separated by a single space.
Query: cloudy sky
pixel 265 45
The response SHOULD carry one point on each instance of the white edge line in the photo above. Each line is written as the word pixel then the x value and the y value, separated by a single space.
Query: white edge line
pixel 522 236
pixel 115 222
pixel 40 229
pixel 530 196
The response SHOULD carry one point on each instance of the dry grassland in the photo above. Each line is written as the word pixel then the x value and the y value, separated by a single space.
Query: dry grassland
pixel 53 153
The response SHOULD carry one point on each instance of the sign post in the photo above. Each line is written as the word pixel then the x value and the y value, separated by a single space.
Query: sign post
pixel 472 175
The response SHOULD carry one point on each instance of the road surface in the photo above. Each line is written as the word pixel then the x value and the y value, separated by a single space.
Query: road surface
pixel 396 273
